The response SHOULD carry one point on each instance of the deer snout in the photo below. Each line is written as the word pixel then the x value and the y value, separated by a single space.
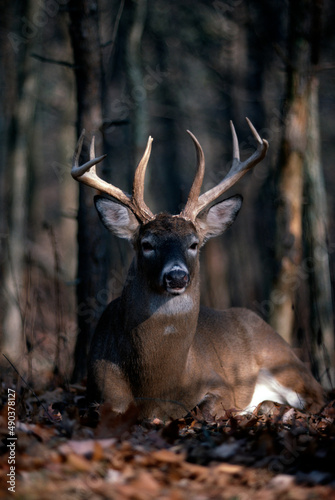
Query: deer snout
pixel 176 280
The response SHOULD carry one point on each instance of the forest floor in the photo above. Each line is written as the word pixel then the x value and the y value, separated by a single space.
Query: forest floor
pixel 57 450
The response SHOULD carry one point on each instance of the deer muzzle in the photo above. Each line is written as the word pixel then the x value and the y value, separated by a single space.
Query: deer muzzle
pixel 176 280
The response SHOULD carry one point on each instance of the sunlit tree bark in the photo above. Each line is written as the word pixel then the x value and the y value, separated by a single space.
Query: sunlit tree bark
pixel 289 216
pixel 316 217
pixel 301 198
pixel 316 237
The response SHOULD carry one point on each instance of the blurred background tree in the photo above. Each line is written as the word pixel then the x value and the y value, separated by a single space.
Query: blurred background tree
pixel 123 70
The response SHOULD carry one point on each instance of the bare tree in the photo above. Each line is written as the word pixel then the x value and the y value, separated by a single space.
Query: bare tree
pixel 316 231
pixel 301 193
pixel 18 160
pixel 137 13
pixel 92 237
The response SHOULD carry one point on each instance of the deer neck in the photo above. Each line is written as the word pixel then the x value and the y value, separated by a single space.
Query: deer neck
pixel 160 327
pixel 148 307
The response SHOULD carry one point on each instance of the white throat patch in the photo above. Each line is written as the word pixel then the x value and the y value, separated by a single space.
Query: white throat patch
pixel 171 306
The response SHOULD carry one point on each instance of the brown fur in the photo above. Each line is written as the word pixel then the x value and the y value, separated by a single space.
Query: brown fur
pixel 167 354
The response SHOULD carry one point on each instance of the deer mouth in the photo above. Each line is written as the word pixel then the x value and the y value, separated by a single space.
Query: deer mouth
pixel 176 290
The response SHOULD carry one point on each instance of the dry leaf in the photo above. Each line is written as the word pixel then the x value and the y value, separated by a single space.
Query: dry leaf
pixel 229 468
pixel 168 456
pixel 78 463
pixel 146 483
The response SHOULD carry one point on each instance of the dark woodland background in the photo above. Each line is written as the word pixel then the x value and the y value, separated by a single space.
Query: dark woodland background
pixel 124 70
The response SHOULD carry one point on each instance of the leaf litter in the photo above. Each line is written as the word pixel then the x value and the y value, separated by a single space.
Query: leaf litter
pixel 276 452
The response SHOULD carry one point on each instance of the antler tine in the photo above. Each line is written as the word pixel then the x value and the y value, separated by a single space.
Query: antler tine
pixel 236 147
pixel 92 153
pixel 237 170
pixel 138 185
pixel 86 174
pixel 255 133
pixel 197 183
pixel 78 171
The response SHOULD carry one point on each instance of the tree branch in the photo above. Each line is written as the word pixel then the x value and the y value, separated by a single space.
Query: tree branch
pixel 53 61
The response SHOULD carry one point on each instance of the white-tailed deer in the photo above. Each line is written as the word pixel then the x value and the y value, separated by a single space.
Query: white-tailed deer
pixel 155 346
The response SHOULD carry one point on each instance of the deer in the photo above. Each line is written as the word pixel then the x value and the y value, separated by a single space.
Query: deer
pixel 155 347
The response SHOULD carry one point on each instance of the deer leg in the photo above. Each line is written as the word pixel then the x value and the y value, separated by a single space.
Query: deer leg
pixel 113 386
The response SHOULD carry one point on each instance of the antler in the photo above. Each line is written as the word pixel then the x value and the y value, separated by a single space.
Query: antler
pixel 196 204
pixel 196 186
pixel 86 174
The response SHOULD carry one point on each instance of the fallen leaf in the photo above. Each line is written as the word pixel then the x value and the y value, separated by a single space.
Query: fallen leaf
pixel 113 476
pixel 87 447
pixel 146 483
pixel 78 463
pixel 42 433
pixel 195 471
pixel 168 456
pixel 229 468
pixel 281 482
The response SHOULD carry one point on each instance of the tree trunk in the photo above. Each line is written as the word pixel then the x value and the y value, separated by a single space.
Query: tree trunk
pixel 317 261
pixel 290 174
pixel 92 237
pixel 19 156
pixel 289 217
pixel 137 12
pixel 301 192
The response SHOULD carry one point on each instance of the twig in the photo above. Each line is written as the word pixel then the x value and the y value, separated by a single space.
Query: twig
pixel 27 310
pixel 116 27
pixel 59 316
pixel 113 123
pixel 30 388
pixel 53 61
pixel 324 67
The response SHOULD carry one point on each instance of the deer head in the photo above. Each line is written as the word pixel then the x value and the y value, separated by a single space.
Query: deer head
pixel 167 246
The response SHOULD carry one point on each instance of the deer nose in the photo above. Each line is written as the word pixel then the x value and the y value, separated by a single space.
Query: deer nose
pixel 176 280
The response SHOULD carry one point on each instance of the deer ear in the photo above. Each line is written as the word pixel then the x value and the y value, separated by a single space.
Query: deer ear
pixel 219 217
pixel 116 218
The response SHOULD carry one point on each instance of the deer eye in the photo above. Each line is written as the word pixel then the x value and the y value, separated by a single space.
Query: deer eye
pixel 147 247
pixel 193 246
